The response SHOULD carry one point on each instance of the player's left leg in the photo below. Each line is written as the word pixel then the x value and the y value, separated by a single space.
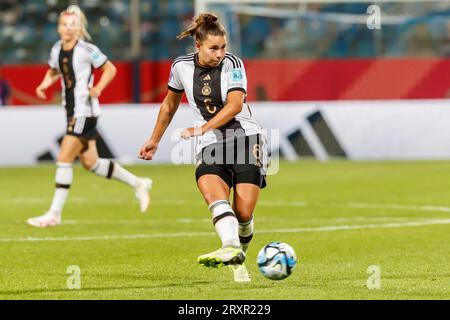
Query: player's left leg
pixel 108 169
pixel 244 203
pixel 248 181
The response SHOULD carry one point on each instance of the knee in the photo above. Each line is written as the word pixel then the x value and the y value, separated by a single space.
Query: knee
pixel 211 197
pixel 243 215
pixel 88 163
pixel 63 159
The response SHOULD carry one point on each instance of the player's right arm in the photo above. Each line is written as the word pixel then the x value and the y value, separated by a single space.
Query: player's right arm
pixel 166 113
pixel 51 76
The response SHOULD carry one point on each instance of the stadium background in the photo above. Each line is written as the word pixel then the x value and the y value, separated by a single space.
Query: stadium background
pixel 334 89
pixel 317 56
pixel 286 59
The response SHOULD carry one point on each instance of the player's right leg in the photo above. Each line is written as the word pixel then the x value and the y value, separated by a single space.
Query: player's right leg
pixel 244 203
pixel 216 192
pixel 70 148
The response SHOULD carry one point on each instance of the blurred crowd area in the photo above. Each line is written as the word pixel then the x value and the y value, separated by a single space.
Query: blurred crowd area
pixel 28 27
pixel 339 30
pixel 28 30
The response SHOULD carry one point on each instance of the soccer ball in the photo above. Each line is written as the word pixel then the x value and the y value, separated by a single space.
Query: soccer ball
pixel 276 260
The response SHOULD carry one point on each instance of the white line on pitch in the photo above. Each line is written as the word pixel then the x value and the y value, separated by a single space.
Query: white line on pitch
pixel 397 206
pixel 135 221
pixel 206 220
pixel 82 200
pixel 262 203
pixel 367 226
pixel 198 234
pixel 34 200
pixel 282 203
pixel 106 237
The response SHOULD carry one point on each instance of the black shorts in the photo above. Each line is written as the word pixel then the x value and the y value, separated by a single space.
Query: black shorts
pixel 84 129
pixel 238 161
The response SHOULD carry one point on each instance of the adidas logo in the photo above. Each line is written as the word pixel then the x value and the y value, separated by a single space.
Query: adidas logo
pixel 207 78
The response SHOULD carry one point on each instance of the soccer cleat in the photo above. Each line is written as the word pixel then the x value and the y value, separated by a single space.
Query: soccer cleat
pixel 240 273
pixel 222 257
pixel 142 193
pixel 47 220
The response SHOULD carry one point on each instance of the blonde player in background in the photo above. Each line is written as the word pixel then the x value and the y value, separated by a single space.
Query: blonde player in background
pixel 231 150
pixel 73 60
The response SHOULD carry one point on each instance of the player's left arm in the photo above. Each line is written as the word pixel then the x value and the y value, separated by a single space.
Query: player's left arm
pixel 109 71
pixel 237 90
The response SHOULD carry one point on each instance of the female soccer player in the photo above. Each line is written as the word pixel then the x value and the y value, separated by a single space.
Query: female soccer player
pixel 73 60
pixel 231 149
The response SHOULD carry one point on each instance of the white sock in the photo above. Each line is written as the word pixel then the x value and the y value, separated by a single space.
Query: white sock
pixel 108 169
pixel 59 200
pixel 124 175
pixel 246 233
pixel 63 179
pixel 225 223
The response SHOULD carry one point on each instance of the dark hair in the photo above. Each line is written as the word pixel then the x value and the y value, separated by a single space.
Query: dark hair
pixel 202 25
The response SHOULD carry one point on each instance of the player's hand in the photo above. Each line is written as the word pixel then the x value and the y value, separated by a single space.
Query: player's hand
pixel 148 150
pixel 191 132
pixel 95 92
pixel 40 92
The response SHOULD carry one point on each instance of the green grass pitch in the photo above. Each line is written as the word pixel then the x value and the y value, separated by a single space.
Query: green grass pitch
pixel 340 217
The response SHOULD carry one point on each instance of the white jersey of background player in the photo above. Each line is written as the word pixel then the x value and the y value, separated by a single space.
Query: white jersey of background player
pixel 77 67
pixel 73 60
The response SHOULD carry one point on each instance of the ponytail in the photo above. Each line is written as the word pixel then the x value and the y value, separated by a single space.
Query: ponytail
pixel 202 25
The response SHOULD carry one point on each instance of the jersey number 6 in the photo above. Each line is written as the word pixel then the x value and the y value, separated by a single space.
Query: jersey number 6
pixel 211 109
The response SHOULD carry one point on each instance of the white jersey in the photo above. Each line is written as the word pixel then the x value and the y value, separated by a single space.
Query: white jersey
pixel 76 68
pixel 207 88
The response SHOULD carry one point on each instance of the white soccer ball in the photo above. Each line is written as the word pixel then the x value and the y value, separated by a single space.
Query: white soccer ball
pixel 276 260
